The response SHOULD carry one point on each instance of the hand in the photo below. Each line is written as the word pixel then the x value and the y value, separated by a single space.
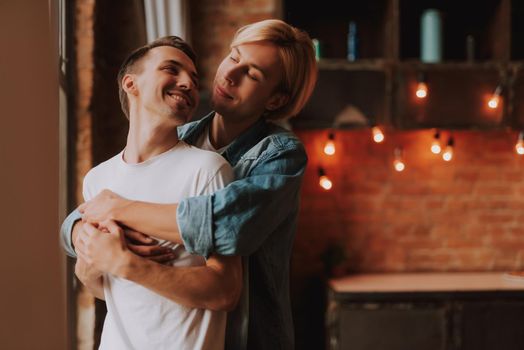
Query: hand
pixel 147 247
pixel 85 272
pixel 103 207
pixel 103 248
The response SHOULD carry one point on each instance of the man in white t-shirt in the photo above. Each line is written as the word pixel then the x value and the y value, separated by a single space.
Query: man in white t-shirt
pixel 158 93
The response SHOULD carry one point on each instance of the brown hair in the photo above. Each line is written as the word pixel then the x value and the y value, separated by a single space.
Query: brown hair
pixel 129 65
pixel 297 55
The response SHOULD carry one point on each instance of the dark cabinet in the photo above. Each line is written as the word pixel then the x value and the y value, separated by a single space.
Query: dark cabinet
pixel 449 318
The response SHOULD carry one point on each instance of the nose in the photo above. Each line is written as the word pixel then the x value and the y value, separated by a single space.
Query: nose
pixel 185 82
pixel 231 75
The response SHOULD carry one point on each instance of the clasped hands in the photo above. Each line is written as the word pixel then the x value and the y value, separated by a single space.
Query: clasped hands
pixel 102 245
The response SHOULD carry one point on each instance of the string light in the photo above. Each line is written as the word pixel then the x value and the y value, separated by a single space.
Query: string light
pixel 435 145
pixel 378 135
pixel 398 163
pixel 329 147
pixel 323 180
pixel 422 87
pixel 495 98
pixel 448 151
pixel 519 147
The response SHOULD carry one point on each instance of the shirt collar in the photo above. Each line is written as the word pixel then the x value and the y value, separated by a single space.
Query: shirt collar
pixel 239 146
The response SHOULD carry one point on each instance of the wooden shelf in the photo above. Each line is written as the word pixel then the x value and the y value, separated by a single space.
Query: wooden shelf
pixel 456 65
pixel 342 64
pixel 388 40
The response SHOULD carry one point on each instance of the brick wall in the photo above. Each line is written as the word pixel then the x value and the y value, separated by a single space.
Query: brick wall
pixel 465 215
pixel 214 23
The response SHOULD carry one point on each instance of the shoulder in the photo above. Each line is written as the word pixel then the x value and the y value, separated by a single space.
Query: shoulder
pixel 278 141
pixel 200 157
pixel 102 169
pixel 210 171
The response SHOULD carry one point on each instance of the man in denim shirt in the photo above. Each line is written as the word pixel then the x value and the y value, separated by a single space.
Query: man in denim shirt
pixel 269 75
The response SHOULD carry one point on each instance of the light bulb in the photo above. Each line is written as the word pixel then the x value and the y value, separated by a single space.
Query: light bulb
pixel 435 145
pixel 378 135
pixel 329 147
pixel 495 98
pixel 493 102
pixel 448 151
pixel 323 180
pixel 448 154
pixel 422 90
pixel 519 147
pixel 325 183
pixel 398 163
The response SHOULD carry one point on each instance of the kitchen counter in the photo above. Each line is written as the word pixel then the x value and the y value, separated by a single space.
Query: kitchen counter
pixel 427 282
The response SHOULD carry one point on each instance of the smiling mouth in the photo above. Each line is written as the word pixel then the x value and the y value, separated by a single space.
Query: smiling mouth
pixel 223 93
pixel 179 97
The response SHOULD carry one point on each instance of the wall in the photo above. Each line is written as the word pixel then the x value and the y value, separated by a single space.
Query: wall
pixel 214 23
pixel 32 294
pixel 465 215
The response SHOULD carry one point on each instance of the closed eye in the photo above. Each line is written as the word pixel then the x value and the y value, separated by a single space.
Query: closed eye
pixel 252 77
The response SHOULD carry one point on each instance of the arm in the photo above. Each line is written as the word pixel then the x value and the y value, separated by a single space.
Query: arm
pixel 137 242
pixel 215 286
pixel 248 210
pixel 154 219
pixel 90 278
pixel 232 221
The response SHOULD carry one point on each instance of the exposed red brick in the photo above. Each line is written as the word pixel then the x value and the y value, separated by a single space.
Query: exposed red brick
pixel 465 215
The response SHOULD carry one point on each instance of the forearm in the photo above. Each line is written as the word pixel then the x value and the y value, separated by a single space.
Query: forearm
pixel 237 219
pixel 210 287
pixel 90 278
pixel 158 220
pixel 95 287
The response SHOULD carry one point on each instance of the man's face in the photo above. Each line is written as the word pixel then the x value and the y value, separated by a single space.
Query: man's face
pixel 166 84
pixel 246 81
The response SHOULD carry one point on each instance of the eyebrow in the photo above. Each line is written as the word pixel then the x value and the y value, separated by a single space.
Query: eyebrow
pixel 193 74
pixel 252 64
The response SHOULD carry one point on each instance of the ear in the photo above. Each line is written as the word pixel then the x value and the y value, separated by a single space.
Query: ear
pixel 276 101
pixel 129 84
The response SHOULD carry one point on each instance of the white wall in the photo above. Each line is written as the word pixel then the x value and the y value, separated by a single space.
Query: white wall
pixel 32 291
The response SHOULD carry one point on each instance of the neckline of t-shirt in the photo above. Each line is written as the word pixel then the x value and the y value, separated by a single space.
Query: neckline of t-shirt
pixel 207 140
pixel 179 145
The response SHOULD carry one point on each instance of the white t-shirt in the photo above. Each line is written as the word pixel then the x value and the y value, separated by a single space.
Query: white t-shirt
pixel 203 142
pixel 138 318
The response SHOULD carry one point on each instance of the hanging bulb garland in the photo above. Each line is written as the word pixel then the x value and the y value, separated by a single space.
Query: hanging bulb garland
pixel 329 147
pixel 519 146
pixel 494 101
pixel 378 135
pixel 435 145
pixel 323 179
pixel 422 87
pixel 398 163
pixel 448 151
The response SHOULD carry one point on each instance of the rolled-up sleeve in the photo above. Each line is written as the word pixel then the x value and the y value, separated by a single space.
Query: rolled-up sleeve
pixel 237 219
pixel 66 232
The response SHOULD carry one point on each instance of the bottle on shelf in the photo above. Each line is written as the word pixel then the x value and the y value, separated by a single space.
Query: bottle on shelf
pixel 352 53
pixel 430 36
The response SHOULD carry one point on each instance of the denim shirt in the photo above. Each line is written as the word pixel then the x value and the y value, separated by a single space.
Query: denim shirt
pixel 253 216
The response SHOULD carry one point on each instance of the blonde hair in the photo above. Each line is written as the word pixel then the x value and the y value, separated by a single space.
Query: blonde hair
pixel 297 55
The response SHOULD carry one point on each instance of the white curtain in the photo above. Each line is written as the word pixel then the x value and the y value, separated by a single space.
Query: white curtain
pixel 167 17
